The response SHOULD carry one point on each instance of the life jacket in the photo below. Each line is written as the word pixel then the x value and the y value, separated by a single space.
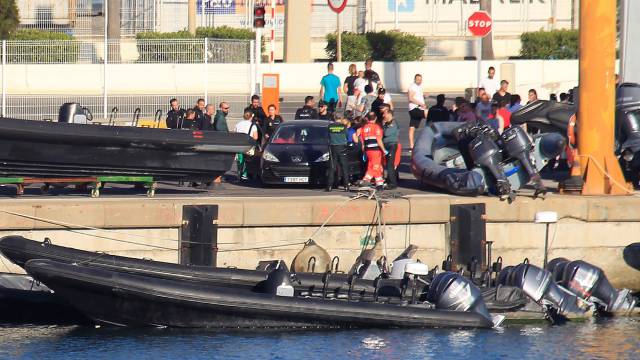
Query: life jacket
pixel 370 134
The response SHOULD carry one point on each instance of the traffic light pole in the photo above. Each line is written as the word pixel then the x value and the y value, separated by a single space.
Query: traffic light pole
pixel 257 53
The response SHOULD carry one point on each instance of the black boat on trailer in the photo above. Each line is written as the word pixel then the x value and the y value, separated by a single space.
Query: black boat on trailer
pixel 42 149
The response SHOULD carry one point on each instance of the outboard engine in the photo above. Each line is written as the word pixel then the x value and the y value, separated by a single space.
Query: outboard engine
pixel 538 284
pixel 589 282
pixel 452 291
pixel 628 131
pixel 485 153
pixel 74 113
pixel 518 146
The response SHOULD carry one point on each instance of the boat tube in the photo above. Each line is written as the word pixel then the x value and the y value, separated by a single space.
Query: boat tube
pixel 60 149
pixel 111 297
pixel 471 159
pixel 365 282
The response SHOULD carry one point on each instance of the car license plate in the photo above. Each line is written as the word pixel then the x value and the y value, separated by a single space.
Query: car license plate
pixel 296 179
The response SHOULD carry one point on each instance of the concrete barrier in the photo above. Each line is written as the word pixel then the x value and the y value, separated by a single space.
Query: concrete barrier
pixel 439 76
pixel 595 229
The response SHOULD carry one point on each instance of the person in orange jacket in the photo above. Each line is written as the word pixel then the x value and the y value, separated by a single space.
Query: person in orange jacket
pixel 372 146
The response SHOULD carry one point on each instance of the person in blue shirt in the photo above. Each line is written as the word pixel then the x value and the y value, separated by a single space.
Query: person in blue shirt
pixel 330 89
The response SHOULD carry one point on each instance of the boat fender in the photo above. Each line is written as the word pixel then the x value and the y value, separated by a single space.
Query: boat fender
pixel 300 262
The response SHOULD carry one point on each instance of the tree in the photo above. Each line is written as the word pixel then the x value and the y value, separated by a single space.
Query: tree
pixel 487 41
pixel 9 18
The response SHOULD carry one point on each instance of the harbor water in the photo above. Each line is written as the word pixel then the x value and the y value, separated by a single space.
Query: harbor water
pixel 592 339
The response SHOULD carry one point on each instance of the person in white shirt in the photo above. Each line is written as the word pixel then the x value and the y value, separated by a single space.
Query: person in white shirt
pixel 246 126
pixel 490 83
pixel 417 107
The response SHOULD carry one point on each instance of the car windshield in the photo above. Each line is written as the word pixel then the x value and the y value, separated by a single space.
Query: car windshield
pixel 296 134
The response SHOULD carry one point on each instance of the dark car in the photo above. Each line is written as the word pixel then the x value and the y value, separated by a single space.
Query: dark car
pixel 298 153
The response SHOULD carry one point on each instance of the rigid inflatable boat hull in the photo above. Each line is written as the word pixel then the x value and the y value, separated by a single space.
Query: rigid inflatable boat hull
pixel 51 149
pixel 131 300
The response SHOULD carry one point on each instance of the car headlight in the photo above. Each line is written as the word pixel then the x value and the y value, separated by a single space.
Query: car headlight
pixel 627 155
pixel 269 156
pixel 324 157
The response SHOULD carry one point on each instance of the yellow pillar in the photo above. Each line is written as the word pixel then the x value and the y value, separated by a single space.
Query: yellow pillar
pixel 596 113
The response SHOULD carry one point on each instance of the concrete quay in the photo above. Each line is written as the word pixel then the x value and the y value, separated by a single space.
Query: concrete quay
pixel 595 229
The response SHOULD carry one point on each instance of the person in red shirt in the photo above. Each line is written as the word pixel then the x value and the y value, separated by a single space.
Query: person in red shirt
pixel 503 115
pixel 371 140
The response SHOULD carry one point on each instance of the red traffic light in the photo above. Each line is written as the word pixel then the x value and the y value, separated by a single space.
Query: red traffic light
pixel 258 16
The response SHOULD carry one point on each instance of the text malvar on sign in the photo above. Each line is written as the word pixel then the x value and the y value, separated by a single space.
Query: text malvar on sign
pixel 337 5
pixel 479 23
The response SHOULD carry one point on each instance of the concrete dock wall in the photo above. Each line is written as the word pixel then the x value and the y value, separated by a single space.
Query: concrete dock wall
pixel 595 229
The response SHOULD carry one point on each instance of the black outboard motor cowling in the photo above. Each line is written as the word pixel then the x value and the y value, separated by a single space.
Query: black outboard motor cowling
pixel 589 282
pixel 485 153
pixel 518 146
pixel 72 113
pixel 452 291
pixel 538 284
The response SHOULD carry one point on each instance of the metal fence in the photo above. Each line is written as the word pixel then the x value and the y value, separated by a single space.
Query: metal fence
pixel 44 57
pixel 129 51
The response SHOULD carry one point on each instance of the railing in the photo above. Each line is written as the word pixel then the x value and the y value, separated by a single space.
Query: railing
pixel 131 51
pixel 87 58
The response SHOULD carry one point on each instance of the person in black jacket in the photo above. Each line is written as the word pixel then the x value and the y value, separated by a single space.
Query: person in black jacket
pixel 206 122
pixel 175 115
pixel 307 112
pixel 199 110
pixel 257 110
pixel 438 112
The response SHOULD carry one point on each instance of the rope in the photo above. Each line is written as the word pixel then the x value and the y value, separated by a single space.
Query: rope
pixel 358 196
pixel 605 173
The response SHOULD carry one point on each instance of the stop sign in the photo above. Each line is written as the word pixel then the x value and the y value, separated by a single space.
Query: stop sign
pixel 479 23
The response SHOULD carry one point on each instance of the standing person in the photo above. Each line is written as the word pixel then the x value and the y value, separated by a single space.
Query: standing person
pixel 373 147
pixel 272 122
pixel 256 108
pixel 503 115
pixel 338 148
pixel 330 90
pixel 359 85
pixel 490 83
pixel 483 109
pixel 417 107
pixel 390 141
pixel 438 112
pixel 175 115
pixel 378 102
pixel 515 103
pixel 502 94
pixel 206 122
pixel 370 75
pixel 323 111
pixel 307 111
pixel 366 101
pixel 349 87
pixel 199 110
pixel 246 126
pixel 189 121
pixel 220 120
pixel 532 96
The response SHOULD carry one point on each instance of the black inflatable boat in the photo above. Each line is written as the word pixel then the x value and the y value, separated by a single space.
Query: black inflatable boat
pixel 58 149
pixel 132 300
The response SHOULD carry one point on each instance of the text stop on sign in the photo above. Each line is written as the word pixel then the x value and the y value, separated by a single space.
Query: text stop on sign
pixel 479 23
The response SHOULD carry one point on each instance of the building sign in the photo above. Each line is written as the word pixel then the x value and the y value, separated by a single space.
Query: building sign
pixel 217 6
pixel 405 6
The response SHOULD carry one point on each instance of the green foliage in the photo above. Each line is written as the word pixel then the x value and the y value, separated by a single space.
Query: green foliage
pixel 168 52
pixel 225 32
pixel 9 18
pixel 556 44
pixel 50 47
pixel 354 47
pixel 380 45
pixel 192 51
